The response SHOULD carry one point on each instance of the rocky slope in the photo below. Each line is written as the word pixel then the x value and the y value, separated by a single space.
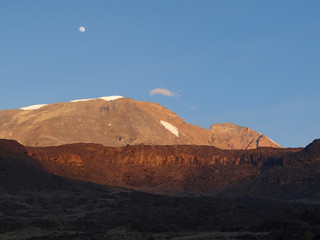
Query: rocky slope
pixel 264 172
pixel 116 121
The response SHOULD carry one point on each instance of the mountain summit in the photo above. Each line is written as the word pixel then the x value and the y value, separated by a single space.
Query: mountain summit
pixel 118 121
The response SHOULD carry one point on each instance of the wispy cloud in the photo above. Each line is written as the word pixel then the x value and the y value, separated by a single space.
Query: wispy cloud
pixel 162 91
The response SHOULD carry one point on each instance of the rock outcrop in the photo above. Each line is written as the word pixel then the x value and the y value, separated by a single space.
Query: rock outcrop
pixel 183 169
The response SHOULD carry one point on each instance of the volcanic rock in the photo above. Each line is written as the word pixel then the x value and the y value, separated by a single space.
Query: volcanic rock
pixel 188 169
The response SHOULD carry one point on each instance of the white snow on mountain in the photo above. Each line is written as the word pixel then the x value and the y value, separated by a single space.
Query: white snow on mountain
pixel 110 98
pixel 82 100
pixel 170 127
pixel 33 107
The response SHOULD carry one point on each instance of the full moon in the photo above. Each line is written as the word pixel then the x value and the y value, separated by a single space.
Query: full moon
pixel 82 29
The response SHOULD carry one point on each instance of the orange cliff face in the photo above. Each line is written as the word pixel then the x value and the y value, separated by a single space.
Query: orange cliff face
pixel 117 121
pixel 276 173
pixel 171 169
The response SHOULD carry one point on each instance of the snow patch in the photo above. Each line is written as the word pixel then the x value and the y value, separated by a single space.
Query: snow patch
pixel 110 98
pixel 170 127
pixel 82 100
pixel 33 107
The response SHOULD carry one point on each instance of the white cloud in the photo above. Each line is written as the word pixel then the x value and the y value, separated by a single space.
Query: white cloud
pixel 162 91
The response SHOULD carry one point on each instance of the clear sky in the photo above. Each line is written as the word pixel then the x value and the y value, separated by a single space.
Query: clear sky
pixel 253 63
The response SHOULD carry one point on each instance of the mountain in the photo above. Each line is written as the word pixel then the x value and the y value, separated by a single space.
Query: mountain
pixel 117 121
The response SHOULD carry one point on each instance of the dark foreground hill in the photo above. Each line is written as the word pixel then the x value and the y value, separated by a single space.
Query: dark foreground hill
pixel 37 205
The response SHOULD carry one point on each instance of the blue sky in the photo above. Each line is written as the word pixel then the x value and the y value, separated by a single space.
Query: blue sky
pixel 253 63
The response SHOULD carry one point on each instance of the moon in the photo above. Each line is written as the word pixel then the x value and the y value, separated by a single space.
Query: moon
pixel 82 29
